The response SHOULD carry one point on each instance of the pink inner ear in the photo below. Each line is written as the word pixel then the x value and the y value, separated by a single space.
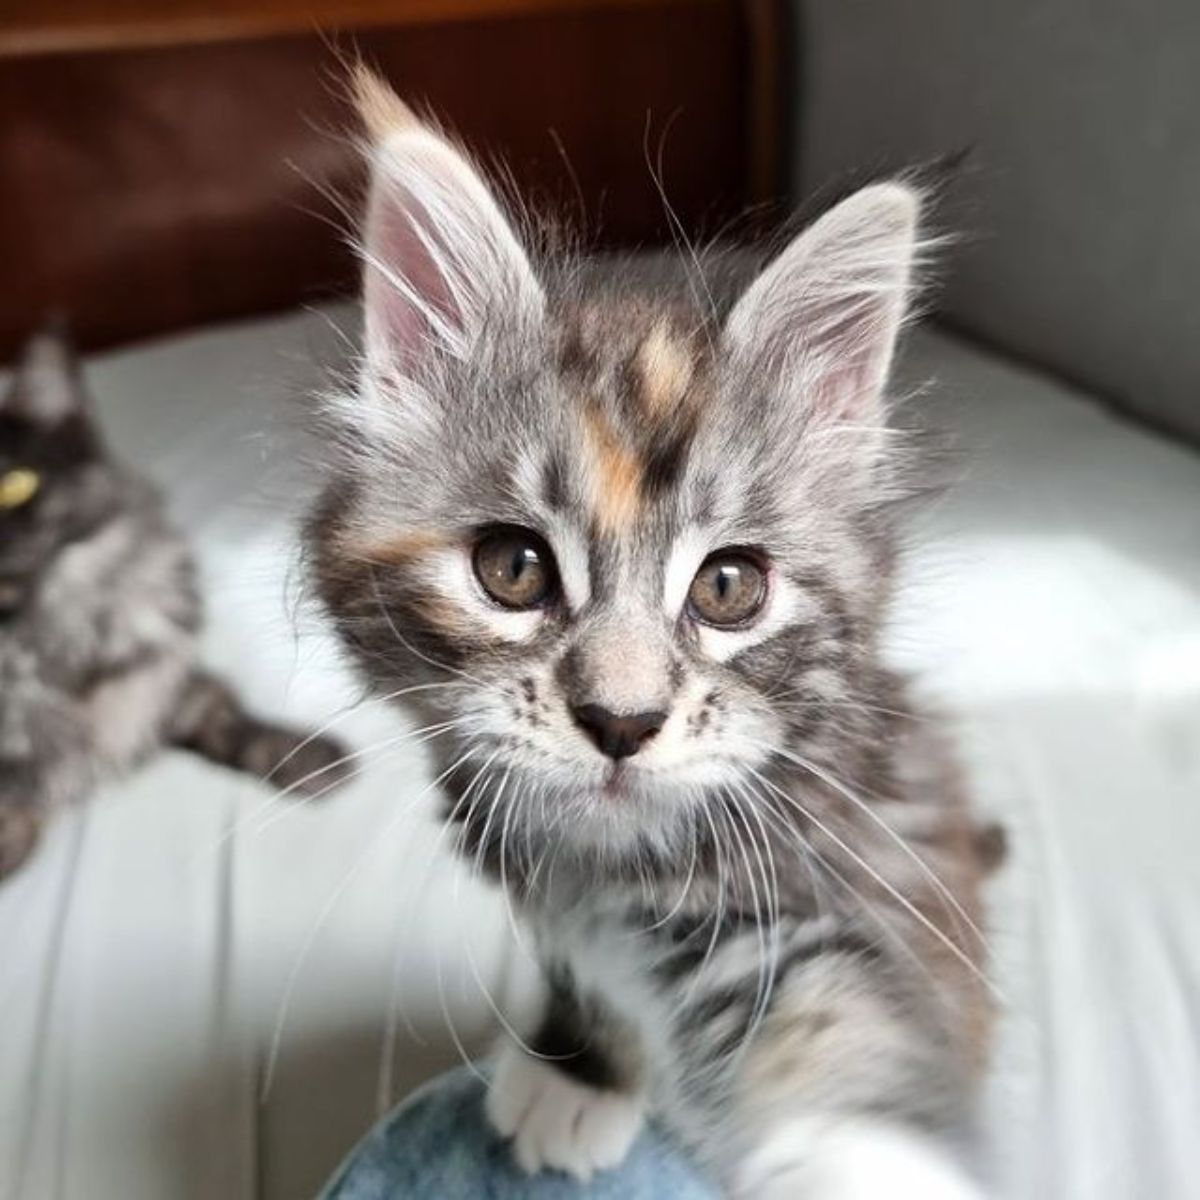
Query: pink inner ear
pixel 855 351
pixel 828 309
pixel 439 255
pixel 406 293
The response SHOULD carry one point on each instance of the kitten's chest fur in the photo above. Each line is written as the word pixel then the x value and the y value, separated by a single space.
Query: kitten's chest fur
pixel 672 988
pixel 606 950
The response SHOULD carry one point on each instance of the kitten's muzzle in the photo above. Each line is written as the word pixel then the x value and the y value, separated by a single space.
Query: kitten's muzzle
pixel 615 734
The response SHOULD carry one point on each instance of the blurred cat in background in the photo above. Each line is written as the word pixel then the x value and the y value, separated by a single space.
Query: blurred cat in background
pixel 99 619
pixel 629 535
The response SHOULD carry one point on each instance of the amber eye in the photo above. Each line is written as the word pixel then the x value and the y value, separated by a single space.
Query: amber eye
pixel 18 487
pixel 728 590
pixel 516 568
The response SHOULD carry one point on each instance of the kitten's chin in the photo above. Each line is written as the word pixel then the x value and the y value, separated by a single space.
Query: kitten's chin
pixel 611 810
pixel 608 812
pixel 621 784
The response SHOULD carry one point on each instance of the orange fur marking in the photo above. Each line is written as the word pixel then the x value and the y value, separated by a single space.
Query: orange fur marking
pixel 665 370
pixel 401 547
pixel 616 475
pixel 443 612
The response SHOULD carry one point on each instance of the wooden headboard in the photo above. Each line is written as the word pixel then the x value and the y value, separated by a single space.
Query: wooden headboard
pixel 170 162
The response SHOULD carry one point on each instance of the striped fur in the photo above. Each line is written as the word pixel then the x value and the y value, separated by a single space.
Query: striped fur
pixel 767 920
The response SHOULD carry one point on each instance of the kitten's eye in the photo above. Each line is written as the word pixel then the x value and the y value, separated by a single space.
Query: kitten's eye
pixel 728 590
pixel 18 487
pixel 516 568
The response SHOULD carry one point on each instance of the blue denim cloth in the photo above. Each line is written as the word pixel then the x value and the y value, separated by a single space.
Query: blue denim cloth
pixel 438 1144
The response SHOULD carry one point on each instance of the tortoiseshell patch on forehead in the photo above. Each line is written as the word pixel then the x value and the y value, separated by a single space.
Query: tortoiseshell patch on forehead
pixel 615 473
pixel 642 377
pixel 663 366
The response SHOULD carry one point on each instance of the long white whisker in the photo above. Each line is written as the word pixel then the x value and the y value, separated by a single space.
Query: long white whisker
pixel 394 1013
pixel 887 927
pixel 509 816
pixel 900 899
pixel 946 894
pixel 276 799
pixel 323 916
pixel 348 711
pixel 771 887
pixel 723 883
pixel 681 899
pixel 387 616
pixel 388 746
pixel 760 995
pixel 678 233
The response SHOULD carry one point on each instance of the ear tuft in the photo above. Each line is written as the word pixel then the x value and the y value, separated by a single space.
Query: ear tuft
pixel 46 385
pixel 441 262
pixel 382 112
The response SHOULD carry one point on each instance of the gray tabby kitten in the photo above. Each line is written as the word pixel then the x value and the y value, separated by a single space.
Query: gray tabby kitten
pixel 633 543
pixel 99 616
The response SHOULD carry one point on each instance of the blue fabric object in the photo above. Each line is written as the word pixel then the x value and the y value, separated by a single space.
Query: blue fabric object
pixel 438 1144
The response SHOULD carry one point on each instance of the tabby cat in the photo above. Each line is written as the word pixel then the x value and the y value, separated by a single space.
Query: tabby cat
pixel 99 616
pixel 628 533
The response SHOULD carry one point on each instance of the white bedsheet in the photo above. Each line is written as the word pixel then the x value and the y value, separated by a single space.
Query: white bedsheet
pixel 206 994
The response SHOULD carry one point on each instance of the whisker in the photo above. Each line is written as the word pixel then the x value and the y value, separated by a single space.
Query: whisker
pixel 721 910
pixel 348 878
pixel 389 746
pixel 760 996
pixel 668 917
pixel 678 233
pixel 842 790
pixel 276 798
pixel 900 899
pixel 387 616
pixel 348 711
pixel 862 903
pixel 506 891
pixel 771 887
pixel 395 1014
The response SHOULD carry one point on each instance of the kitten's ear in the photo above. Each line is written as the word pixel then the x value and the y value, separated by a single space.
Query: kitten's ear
pixel 822 319
pixel 46 386
pixel 440 258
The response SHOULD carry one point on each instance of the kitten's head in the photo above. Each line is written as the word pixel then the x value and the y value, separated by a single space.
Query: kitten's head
pixel 50 464
pixel 625 547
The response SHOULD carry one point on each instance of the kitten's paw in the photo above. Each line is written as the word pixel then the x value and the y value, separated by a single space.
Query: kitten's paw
pixel 303 767
pixel 850 1161
pixel 20 827
pixel 555 1122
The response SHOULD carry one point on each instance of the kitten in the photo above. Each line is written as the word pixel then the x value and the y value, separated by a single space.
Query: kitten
pixel 99 616
pixel 632 537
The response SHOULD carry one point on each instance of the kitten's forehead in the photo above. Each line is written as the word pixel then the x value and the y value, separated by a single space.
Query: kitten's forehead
pixel 659 341
pixel 635 381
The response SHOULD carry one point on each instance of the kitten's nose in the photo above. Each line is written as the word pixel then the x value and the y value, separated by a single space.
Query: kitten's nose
pixel 617 735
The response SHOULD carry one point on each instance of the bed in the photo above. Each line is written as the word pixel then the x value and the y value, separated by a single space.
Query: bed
pixel 205 993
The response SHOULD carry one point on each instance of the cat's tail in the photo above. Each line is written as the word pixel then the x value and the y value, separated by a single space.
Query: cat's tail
pixel 210 720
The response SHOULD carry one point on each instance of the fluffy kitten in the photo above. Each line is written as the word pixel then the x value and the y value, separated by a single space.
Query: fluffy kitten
pixel 633 540
pixel 99 616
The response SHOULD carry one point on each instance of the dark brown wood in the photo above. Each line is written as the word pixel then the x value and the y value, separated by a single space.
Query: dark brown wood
pixel 149 190
pixel 769 30
pixel 45 26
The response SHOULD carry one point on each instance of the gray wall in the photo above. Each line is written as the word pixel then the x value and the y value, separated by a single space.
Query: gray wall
pixel 1084 213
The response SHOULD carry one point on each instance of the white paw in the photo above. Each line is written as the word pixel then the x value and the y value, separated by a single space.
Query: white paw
pixel 556 1122
pixel 850 1161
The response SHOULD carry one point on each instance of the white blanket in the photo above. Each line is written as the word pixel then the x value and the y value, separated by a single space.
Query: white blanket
pixel 204 993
